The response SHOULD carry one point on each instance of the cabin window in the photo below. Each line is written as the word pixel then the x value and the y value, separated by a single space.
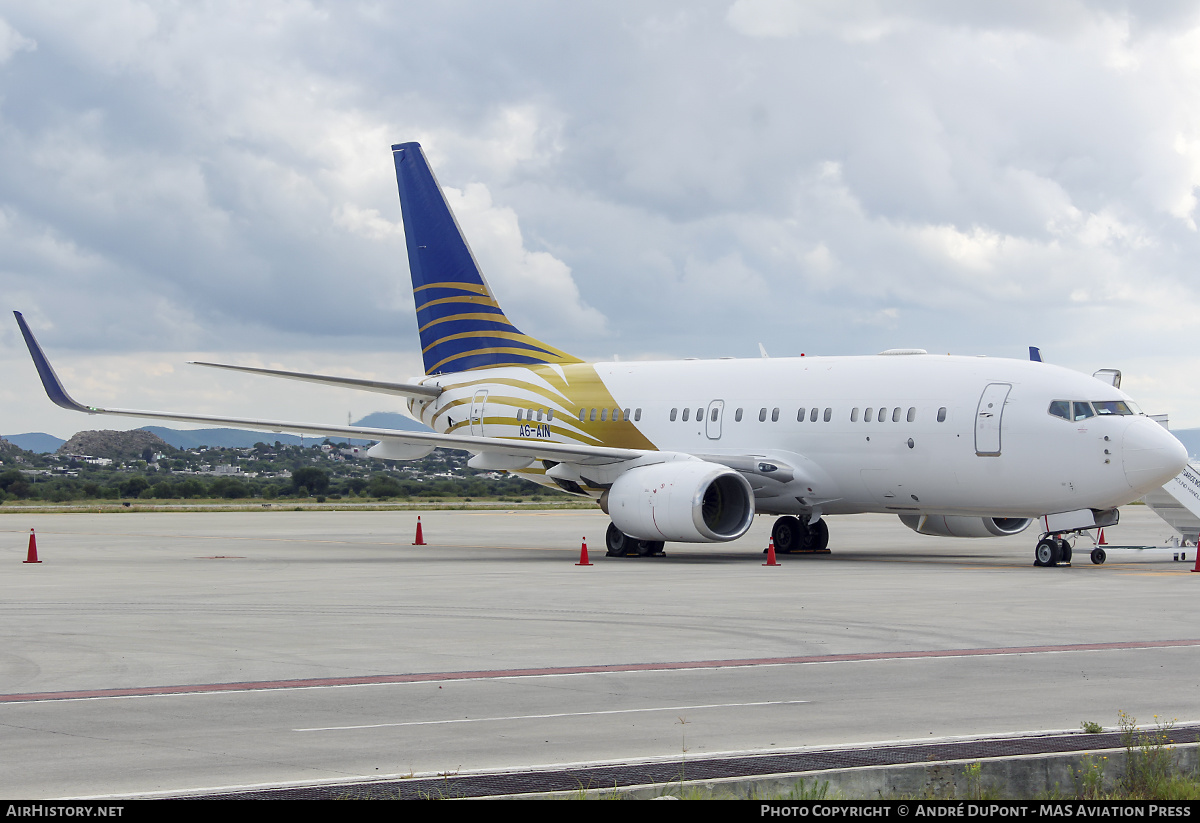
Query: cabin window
pixel 896 415
pixel 603 414
pixel 800 415
pixel 912 414
pixel 625 416
pixel 582 414
pixel 686 412
pixel 637 415
pixel 699 414
pixel 762 415
pixel 774 415
pixel 854 415
pixel 828 415
pixel 882 418
pixel 1083 411
pixel 592 417
pixel 737 416
pixel 616 418
pixel 812 415
pixel 712 416
pixel 539 415
pixel 674 413
pixel 868 415
pixel 519 413
pixel 942 415
pixel 550 415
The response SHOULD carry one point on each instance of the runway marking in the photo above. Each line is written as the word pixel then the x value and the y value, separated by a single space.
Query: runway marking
pixel 500 674
pixel 550 716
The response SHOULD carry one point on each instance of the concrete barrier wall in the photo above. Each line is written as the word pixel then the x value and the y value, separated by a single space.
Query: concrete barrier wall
pixel 1025 777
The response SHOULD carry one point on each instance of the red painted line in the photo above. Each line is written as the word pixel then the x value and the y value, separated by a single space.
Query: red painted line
pixel 496 674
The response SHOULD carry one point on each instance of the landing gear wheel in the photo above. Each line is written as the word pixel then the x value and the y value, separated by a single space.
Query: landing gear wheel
pixel 1047 553
pixel 1099 556
pixel 649 548
pixel 1065 550
pixel 818 536
pixel 788 534
pixel 616 541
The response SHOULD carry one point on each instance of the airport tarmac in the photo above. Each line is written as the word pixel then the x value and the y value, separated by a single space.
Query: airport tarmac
pixel 204 651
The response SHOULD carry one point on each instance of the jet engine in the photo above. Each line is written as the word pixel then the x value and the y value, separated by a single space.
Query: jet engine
pixel 957 526
pixel 686 501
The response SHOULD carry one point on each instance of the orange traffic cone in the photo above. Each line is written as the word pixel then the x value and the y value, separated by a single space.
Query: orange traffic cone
pixel 32 557
pixel 771 554
pixel 420 541
pixel 1197 569
pixel 583 558
pixel 1102 541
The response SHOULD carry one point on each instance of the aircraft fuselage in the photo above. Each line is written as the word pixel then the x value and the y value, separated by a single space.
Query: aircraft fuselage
pixel 906 434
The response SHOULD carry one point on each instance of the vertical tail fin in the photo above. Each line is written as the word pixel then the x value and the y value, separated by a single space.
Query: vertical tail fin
pixel 462 327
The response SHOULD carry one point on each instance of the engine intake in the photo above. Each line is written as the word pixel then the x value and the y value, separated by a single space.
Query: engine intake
pixel 943 525
pixel 686 501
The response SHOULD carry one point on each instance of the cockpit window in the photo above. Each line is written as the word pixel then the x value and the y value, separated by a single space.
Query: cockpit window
pixel 1104 407
pixel 1082 411
pixel 1060 408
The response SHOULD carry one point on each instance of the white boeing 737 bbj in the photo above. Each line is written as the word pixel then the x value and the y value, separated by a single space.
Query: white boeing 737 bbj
pixel 691 450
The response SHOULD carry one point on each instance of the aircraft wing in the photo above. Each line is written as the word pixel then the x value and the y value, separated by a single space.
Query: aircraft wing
pixel 402 389
pixel 533 449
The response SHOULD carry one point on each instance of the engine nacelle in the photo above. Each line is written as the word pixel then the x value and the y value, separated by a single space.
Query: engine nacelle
pixel 943 525
pixel 686 501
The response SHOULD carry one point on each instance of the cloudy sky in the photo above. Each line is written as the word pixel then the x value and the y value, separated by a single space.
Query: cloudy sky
pixel 213 180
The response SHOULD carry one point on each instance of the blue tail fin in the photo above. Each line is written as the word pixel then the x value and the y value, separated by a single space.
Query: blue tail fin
pixel 462 327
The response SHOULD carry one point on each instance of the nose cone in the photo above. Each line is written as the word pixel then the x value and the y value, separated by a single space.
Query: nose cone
pixel 1150 455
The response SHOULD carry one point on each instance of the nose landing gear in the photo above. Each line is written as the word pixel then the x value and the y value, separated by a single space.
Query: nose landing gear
pixel 1052 550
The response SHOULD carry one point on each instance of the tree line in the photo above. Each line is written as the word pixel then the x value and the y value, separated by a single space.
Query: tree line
pixel 305 482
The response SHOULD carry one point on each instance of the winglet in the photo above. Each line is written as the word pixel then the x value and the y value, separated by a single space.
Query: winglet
pixel 1035 354
pixel 50 381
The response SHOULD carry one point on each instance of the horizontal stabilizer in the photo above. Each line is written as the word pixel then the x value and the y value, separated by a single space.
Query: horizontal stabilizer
pixel 402 389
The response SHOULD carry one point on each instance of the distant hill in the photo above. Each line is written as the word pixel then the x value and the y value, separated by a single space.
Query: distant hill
pixel 10 451
pixel 392 420
pixel 244 438
pixel 113 444
pixel 39 442
pixel 43 443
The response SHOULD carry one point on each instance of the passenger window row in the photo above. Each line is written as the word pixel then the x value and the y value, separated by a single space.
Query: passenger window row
pixel 618 416
pixel 811 414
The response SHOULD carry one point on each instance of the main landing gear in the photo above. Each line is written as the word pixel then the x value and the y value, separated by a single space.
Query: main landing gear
pixel 620 544
pixel 793 536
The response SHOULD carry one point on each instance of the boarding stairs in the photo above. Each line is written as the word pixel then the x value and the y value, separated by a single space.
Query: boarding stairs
pixel 1178 503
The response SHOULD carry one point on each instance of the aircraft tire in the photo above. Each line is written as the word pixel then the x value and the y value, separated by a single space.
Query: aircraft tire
pixel 819 532
pixel 649 548
pixel 617 543
pixel 788 534
pixel 1065 548
pixel 1047 553
pixel 1099 556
